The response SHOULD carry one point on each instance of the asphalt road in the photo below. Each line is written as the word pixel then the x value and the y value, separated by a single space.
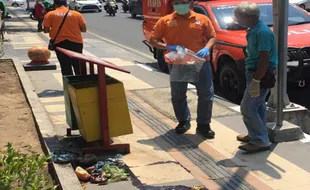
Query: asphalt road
pixel 127 31
pixel 121 28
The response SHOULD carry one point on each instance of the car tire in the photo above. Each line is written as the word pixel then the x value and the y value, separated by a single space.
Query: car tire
pixel 15 5
pixel 302 6
pixel 232 82
pixel 99 10
pixel 162 65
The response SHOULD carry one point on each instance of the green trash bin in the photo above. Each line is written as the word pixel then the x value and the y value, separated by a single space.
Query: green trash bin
pixel 70 117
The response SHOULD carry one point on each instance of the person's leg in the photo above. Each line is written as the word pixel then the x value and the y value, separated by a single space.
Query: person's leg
pixel 40 21
pixel 205 92
pixel 77 47
pixel 253 110
pixel 180 106
pixel 63 59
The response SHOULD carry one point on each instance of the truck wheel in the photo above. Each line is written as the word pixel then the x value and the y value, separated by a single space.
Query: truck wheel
pixel 232 82
pixel 302 6
pixel 162 65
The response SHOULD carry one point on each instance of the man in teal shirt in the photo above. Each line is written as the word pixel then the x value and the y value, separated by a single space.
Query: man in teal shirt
pixel 261 61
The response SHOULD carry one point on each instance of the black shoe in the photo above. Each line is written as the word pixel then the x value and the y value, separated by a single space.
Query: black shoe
pixel 182 127
pixel 205 131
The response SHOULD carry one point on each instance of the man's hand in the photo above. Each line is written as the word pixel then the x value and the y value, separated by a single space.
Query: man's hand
pixel 255 88
pixel 204 52
pixel 173 48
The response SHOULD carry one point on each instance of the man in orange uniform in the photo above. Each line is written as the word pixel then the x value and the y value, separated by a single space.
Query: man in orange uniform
pixel 69 36
pixel 185 28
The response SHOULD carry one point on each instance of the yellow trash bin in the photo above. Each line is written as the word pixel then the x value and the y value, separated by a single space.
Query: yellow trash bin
pixel 85 101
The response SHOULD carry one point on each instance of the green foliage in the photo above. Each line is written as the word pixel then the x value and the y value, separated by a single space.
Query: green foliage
pixel 23 172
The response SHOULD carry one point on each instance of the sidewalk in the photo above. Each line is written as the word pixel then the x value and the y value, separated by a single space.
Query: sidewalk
pixel 158 156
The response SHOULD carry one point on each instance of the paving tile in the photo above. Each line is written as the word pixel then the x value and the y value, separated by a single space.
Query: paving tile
pixel 163 173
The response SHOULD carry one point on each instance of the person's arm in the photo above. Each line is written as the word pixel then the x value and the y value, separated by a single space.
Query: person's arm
pixel 157 35
pixel 262 65
pixel 265 40
pixel 83 28
pixel 211 36
pixel 47 23
pixel 82 23
pixel 210 33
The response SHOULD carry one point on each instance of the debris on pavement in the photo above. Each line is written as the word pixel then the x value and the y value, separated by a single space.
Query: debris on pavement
pixel 103 172
pixel 82 174
pixel 62 157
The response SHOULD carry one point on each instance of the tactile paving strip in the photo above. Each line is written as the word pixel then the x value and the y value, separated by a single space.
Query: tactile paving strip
pixel 220 174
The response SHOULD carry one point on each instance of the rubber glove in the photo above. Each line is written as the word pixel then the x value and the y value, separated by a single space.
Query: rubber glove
pixel 173 48
pixel 204 52
pixel 255 88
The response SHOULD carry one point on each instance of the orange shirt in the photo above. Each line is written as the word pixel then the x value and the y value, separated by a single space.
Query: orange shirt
pixel 192 32
pixel 71 28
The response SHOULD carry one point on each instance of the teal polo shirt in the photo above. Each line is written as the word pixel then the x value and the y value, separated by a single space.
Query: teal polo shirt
pixel 260 38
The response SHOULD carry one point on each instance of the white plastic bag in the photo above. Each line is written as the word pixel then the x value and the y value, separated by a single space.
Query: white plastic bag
pixel 184 65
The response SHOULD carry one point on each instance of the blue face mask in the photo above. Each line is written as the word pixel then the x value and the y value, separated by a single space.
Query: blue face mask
pixel 181 9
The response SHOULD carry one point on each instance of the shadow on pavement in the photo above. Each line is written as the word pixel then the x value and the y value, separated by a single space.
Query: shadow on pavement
pixel 50 93
pixel 258 162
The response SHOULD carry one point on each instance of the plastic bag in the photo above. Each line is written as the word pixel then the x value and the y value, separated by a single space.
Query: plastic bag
pixel 184 65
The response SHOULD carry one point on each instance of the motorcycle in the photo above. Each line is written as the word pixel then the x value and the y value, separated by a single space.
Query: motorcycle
pixel 125 5
pixel 31 10
pixel 111 8
pixel 32 14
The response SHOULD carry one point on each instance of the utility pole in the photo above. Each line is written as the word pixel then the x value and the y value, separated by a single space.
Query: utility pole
pixel 272 101
pixel 279 97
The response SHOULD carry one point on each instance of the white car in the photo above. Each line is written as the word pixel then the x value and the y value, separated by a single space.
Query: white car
pixel 85 5
pixel 304 4
pixel 14 3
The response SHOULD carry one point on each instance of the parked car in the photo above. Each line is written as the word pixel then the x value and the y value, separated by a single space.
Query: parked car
pixel 85 5
pixel 14 3
pixel 135 8
pixel 228 55
pixel 304 4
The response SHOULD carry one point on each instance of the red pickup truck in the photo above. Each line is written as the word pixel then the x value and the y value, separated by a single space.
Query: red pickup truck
pixel 228 55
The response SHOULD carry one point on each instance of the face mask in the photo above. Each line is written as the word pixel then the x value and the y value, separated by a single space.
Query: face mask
pixel 181 9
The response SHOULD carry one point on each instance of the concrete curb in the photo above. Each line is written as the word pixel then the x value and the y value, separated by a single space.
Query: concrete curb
pixel 64 174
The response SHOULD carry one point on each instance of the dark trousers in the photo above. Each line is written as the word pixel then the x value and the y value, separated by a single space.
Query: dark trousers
pixel 66 63
pixel 40 21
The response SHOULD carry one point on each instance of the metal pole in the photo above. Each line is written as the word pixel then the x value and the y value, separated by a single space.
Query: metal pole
pixel 282 55
pixel 272 101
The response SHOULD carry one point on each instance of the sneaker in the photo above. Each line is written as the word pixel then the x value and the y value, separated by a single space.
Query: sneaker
pixel 182 127
pixel 244 138
pixel 205 131
pixel 251 148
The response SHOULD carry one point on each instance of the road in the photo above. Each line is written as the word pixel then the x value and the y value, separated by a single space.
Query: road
pixel 121 28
